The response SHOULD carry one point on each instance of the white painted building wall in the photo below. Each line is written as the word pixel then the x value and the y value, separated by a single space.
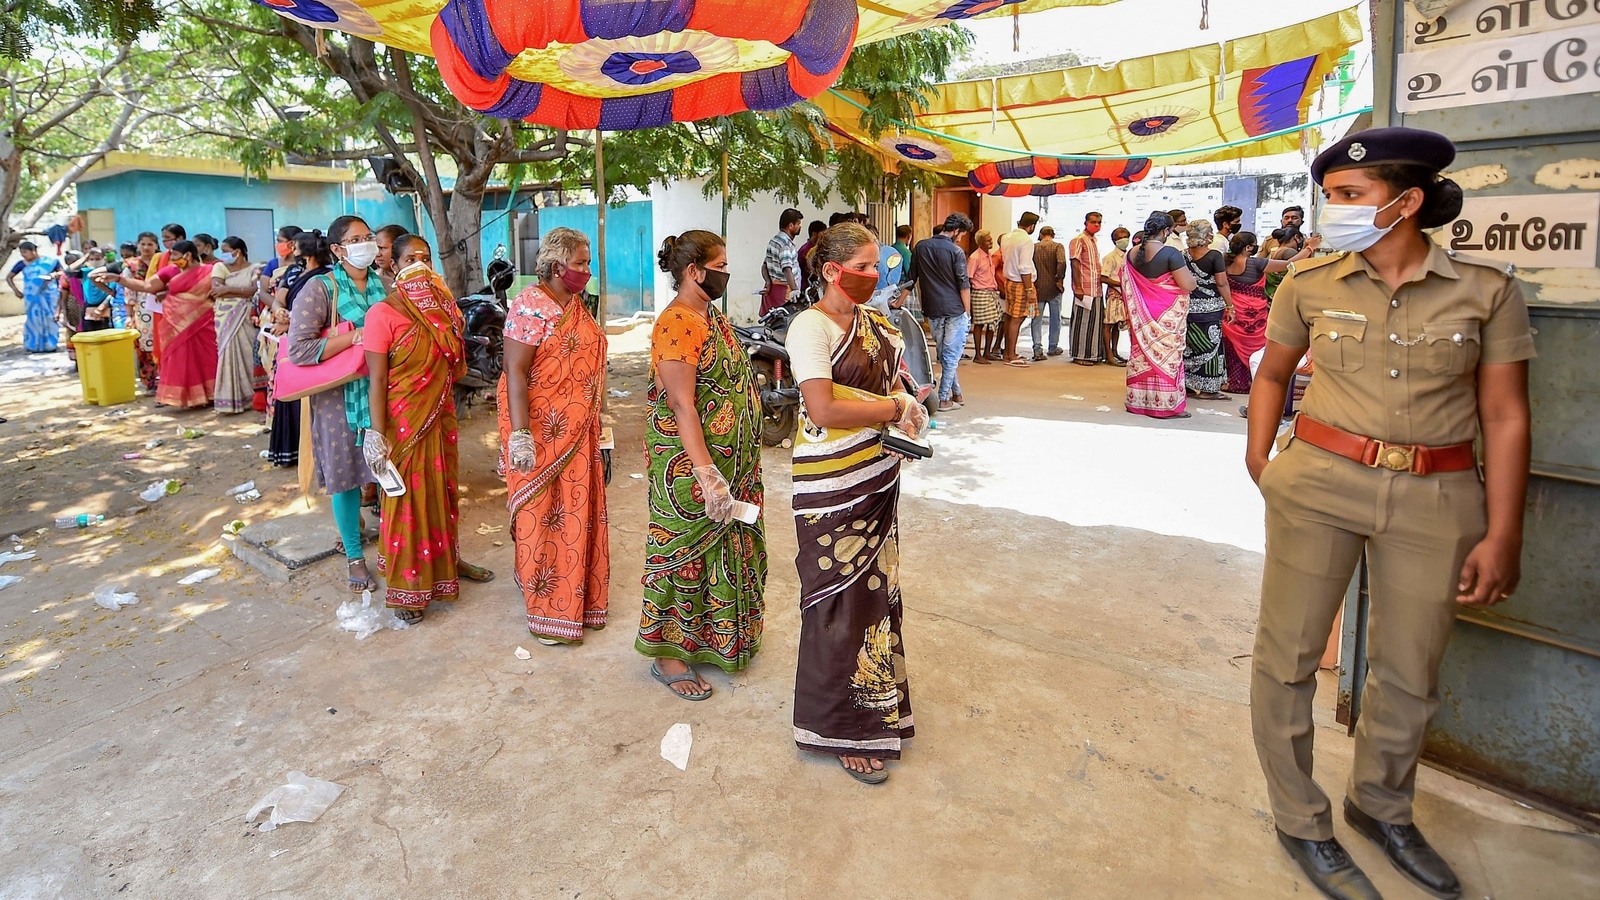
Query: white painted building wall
pixel 683 205
pixel 1194 189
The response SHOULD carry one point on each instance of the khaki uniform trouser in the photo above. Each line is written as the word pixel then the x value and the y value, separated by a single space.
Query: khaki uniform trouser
pixel 1322 511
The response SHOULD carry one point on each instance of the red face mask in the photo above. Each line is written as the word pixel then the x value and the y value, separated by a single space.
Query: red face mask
pixel 574 281
pixel 1092 228
pixel 858 286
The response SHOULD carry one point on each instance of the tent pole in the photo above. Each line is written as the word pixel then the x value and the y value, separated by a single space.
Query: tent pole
pixel 724 202
pixel 600 205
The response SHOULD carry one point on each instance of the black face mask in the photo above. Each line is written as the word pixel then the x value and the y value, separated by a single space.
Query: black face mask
pixel 715 284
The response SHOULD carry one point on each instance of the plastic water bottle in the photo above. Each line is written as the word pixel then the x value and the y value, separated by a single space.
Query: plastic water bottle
pixel 79 521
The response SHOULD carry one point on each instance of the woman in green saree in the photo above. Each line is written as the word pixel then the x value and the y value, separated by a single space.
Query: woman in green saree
pixel 706 553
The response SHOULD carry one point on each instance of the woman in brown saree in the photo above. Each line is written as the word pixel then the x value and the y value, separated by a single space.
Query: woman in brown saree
pixel 851 696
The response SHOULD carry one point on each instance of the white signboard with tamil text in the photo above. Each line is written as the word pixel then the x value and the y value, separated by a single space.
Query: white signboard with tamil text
pixel 1533 230
pixel 1552 64
pixel 1483 20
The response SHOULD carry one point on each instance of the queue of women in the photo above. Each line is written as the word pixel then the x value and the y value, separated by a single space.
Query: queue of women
pixel 1198 316
pixel 705 553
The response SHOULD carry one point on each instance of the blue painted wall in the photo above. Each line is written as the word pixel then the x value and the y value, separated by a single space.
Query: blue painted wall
pixel 630 250
pixel 145 201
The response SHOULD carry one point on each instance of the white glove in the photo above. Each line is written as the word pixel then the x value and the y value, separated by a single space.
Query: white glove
pixel 520 449
pixel 374 448
pixel 719 499
pixel 914 420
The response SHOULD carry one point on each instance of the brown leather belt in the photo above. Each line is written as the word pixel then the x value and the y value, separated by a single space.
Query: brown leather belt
pixel 1413 458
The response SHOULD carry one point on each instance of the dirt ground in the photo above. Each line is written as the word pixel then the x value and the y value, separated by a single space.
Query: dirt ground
pixel 1077 644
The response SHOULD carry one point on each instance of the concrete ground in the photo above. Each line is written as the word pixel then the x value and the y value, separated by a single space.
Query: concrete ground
pixel 1078 642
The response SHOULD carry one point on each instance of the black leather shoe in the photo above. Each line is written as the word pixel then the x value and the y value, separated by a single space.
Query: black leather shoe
pixel 1329 868
pixel 1408 850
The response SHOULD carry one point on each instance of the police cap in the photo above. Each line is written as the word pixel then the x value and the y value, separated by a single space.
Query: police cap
pixel 1379 146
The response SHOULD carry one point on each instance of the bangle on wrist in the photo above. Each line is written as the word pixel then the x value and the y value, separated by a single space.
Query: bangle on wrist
pixel 526 431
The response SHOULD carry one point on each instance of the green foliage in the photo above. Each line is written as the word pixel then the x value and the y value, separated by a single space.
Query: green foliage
pixel 114 21
pixel 898 75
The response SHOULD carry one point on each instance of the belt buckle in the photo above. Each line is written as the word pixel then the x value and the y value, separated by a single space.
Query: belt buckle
pixel 1395 457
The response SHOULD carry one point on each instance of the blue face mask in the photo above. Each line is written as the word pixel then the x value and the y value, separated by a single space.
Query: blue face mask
pixel 226 257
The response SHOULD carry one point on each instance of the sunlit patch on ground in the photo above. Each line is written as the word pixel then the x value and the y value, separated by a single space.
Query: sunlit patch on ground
pixel 1167 480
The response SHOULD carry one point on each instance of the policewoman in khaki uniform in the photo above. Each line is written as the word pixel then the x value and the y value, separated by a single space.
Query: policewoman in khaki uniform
pixel 1417 350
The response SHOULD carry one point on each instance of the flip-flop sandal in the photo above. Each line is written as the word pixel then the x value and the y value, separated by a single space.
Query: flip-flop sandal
pixel 408 616
pixel 356 587
pixel 877 777
pixel 474 573
pixel 670 680
pixel 1019 363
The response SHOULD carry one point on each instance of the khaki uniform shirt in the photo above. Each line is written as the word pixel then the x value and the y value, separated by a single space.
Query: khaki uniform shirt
pixel 1401 365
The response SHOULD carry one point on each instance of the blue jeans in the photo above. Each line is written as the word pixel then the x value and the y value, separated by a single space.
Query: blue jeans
pixel 1036 325
pixel 950 337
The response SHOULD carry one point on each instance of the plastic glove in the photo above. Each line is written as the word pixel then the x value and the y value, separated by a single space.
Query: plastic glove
pixel 520 449
pixel 914 421
pixel 374 448
pixel 719 499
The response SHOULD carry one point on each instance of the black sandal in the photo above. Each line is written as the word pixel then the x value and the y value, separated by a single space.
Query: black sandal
pixel 408 616
pixel 878 776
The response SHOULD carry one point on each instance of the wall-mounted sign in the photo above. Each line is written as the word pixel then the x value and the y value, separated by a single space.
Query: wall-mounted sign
pixel 1552 64
pixel 1533 230
pixel 1483 20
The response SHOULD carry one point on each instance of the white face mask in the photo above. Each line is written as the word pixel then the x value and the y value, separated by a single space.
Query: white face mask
pixel 1123 244
pixel 1354 228
pixel 361 255
pixel 226 257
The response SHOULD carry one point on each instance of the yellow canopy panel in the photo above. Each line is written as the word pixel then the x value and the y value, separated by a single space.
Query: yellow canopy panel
pixel 620 64
pixel 1243 93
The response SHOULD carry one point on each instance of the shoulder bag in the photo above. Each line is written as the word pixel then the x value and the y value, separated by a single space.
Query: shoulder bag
pixel 295 381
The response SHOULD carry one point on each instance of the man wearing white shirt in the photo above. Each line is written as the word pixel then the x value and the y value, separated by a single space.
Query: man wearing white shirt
pixel 1228 219
pixel 1022 300
pixel 1180 227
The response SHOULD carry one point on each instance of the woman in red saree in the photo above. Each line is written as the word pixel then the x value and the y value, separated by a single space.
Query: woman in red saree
pixel 415 354
pixel 186 331
pixel 1156 282
pixel 1245 334
pixel 550 432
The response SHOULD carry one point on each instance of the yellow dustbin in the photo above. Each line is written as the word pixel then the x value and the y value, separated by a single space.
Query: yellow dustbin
pixel 107 365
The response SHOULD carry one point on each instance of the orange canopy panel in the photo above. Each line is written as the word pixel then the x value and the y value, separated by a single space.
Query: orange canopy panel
pixel 622 64
pixel 1246 97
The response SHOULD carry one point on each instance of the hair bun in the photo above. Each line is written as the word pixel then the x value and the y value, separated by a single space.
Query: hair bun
pixel 1441 204
pixel 664 255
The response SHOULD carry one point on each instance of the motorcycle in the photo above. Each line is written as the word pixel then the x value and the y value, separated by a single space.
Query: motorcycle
pixel 483 315
pixel 775 384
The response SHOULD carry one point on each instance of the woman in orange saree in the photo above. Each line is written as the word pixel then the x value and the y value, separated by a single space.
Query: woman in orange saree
pixel 550 434
pixel 415 354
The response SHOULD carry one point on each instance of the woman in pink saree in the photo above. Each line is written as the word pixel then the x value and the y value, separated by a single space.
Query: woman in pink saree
pixel 1156 282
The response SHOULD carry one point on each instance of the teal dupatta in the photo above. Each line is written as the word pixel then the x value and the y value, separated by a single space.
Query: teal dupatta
pixel 353 303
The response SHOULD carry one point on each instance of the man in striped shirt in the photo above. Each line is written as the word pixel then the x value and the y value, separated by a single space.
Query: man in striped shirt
pixel 781 268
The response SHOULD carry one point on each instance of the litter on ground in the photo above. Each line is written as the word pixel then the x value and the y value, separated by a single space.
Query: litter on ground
pixel 303 799
pixel 112 597
pixel 675 746
pixel 522 653
pixel 9 556
pixel 364 619
pixel 197 577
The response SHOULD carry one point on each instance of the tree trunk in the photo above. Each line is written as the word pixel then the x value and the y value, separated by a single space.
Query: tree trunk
pixel 462 254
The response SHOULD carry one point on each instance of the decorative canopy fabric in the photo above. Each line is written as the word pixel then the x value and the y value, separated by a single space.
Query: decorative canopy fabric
pixel 622 64
pixel 1178 107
